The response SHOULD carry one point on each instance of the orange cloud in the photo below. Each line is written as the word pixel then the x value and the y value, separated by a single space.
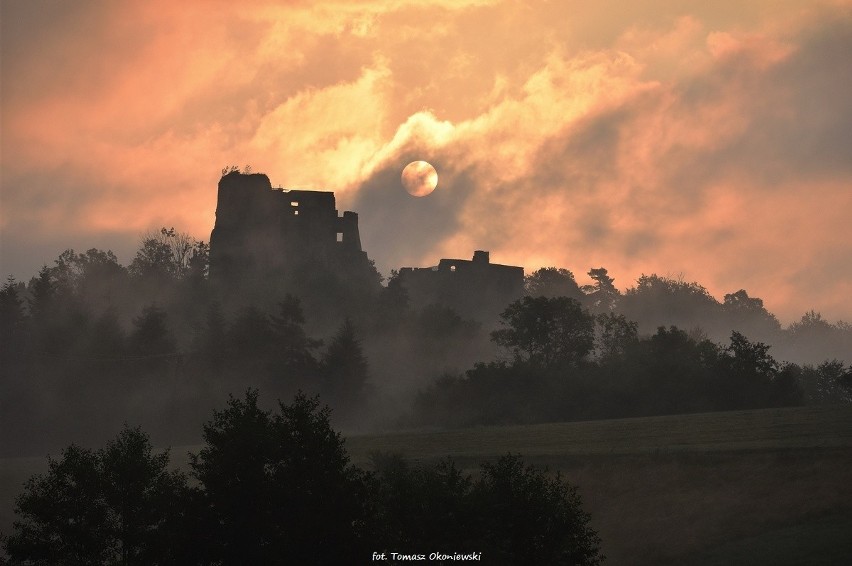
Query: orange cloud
pixel 711 140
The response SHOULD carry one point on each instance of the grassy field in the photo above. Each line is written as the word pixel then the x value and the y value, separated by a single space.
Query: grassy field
pixel 747 487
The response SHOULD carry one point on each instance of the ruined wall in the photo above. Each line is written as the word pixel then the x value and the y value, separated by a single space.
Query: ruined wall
pixel 267 240
pixel 475 288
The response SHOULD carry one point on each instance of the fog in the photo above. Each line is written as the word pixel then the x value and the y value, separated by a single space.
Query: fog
pixel 89 343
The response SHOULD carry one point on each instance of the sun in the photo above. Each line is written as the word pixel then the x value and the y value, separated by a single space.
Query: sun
pixel 419 178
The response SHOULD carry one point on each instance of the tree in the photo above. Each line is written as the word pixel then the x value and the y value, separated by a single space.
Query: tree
pixel 812 323
pixel 62 517
pixel 744 307
pixel 279 485
pixel 511 513
pixel 345 367
pixel 829 382
pixel 249 337
pixel 531 517
pixel 814 339
pixel 210 341
pixel 151 336
pixel 12 319
pixel 614 335
pixel 552 282
pixel 546 331
pixel 153 260
pixel 662 301
pixel 390 308
pixel 140 493
pixel 425 506
pixel 748 372
pixel 669 373
pixel 602 293
pixel 56 318
pixel 43 296
pixel 95 276
pixel 168 255
pixel 751 358
pixel 113 506
pixel 232 470
pixel 104 346
pixel 293 348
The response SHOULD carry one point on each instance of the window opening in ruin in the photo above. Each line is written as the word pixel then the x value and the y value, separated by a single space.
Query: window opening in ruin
pixel 452 268
pixel 294 203
pixel 295 213
pixel 340 236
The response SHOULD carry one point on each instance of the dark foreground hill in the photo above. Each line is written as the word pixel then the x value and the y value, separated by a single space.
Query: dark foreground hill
pixel 744 487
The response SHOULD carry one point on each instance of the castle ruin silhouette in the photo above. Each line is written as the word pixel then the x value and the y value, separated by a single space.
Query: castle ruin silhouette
pixel 474 288
pixel 266 240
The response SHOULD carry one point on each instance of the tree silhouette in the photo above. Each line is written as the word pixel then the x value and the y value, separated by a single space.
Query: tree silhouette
pixel 168 254
pixel 420 506
pixel 552 282
pixel 140 493
pixel 615 334
pixel 293 348
pixel 279 485
pixel 602 294
pixel 232 469
pixel 532 518
pixel 12 319
pixel 546 331
pixel 744 307
pixel 663 301
pixel 151 335
pixel 105 507
pixel 511 513
pixel 62 516
pixel 344 367
pixel 95 276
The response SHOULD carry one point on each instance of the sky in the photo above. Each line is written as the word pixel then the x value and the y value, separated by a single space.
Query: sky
pixel 709 141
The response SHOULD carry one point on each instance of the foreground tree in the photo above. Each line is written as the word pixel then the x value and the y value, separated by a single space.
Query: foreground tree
pixel 142 496
pixel 530 517
pixel 278 488
pixel 113 506
pixel 278 485
pixel 62 517
pixel 511 513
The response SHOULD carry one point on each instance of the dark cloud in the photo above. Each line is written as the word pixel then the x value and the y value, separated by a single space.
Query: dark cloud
pixel 400 230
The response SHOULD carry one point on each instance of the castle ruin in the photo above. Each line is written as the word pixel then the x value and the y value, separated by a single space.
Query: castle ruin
pixel 269 241
pixel 284 239
pixel 474 288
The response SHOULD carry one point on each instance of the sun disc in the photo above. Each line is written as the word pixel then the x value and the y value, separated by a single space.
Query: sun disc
pixel 419 178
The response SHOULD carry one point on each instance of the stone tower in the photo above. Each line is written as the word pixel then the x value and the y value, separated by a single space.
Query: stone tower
pixel 276 239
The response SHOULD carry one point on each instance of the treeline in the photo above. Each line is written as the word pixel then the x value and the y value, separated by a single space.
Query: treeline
pixel 656 301
pixel 277 487
pixel 563 363
pixel 89 343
